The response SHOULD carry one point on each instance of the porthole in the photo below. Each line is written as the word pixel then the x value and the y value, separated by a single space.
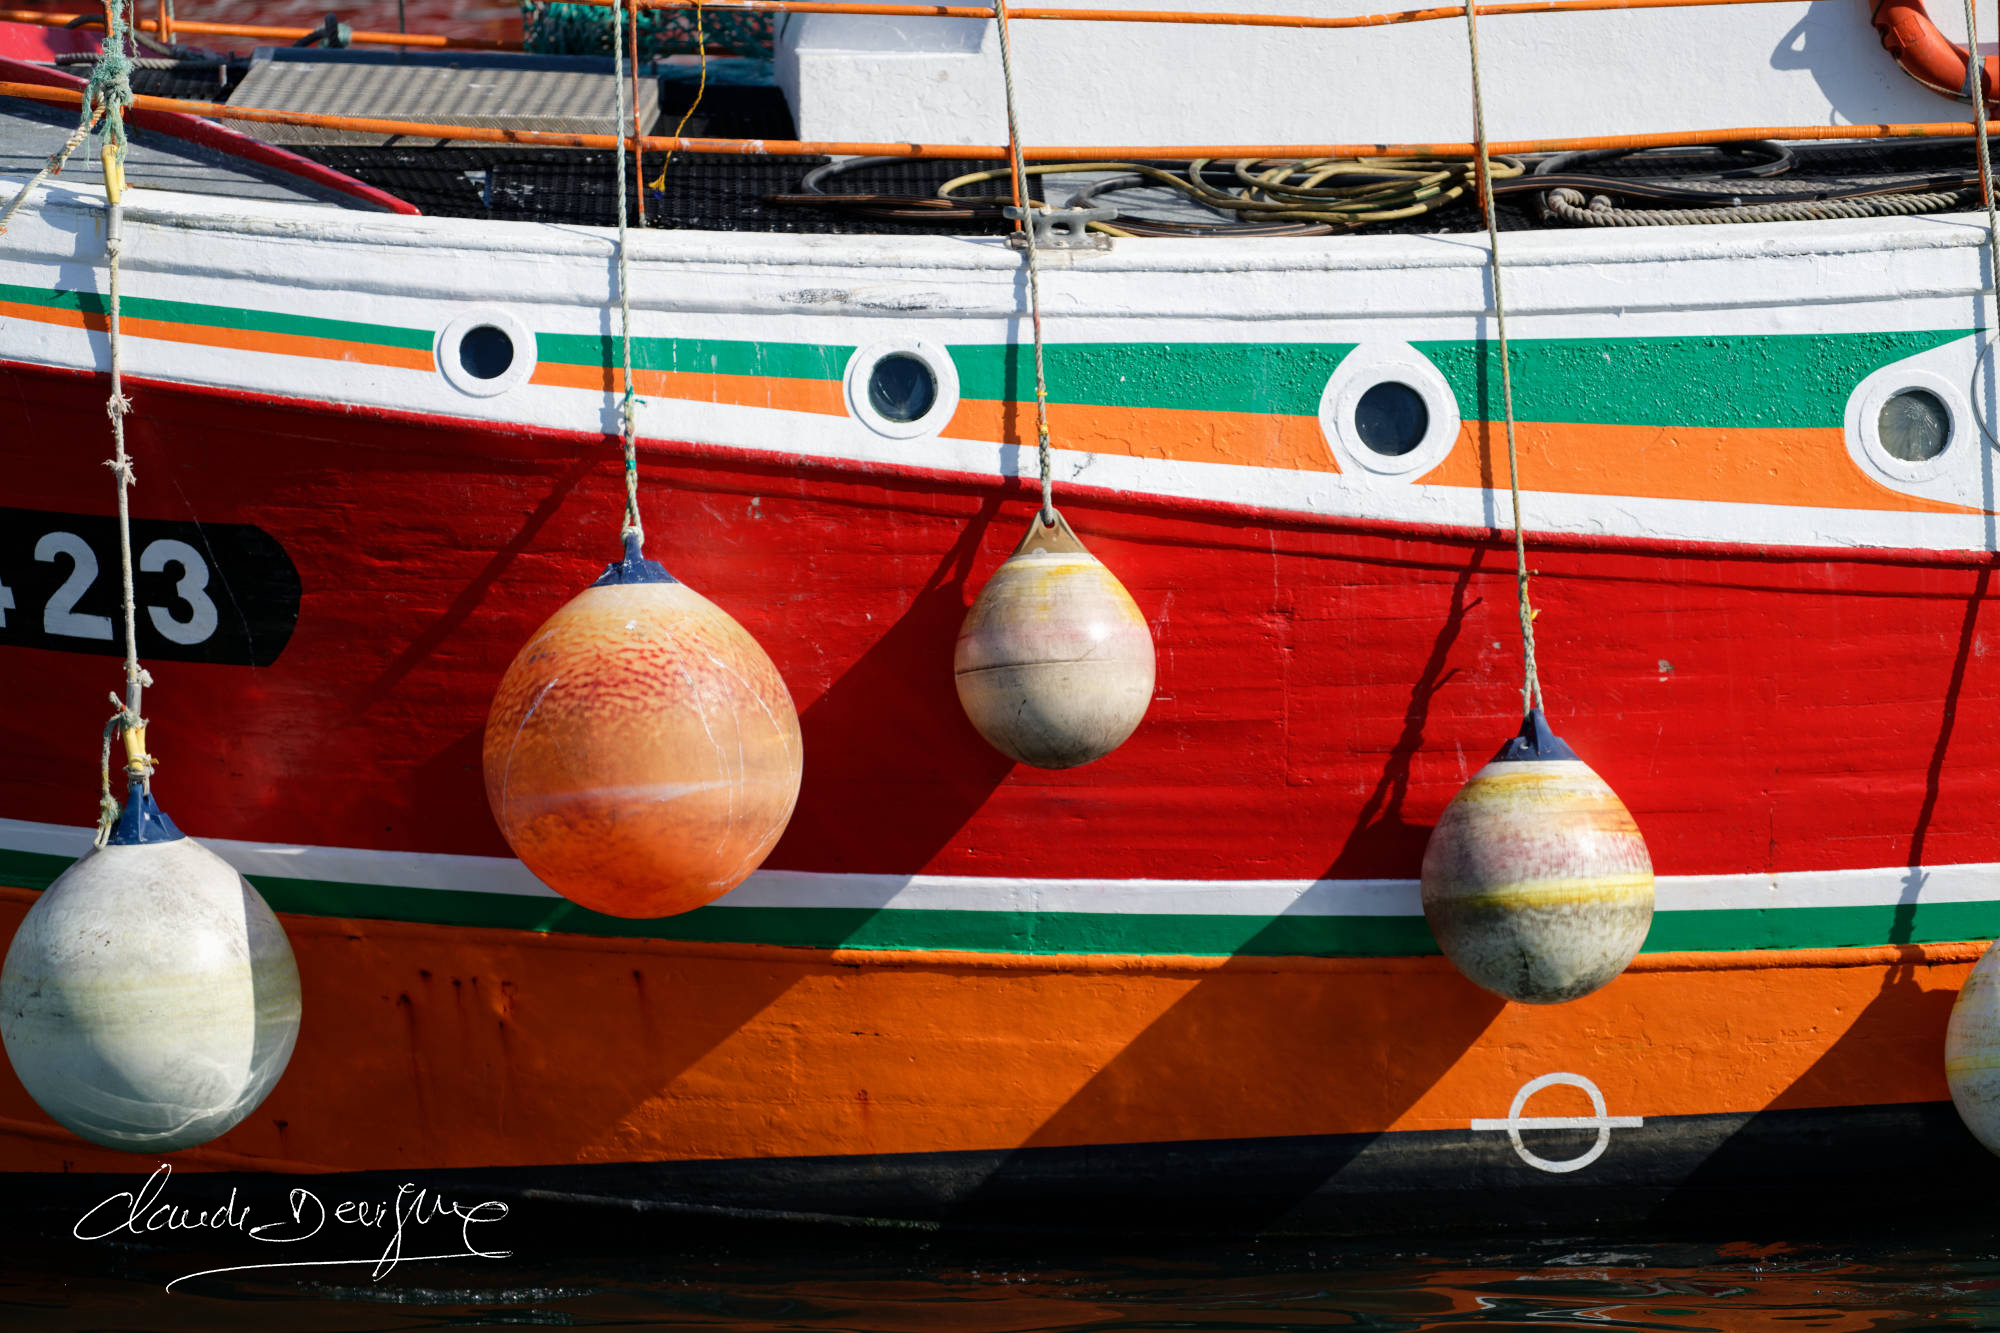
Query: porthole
pixel 1905 424
pixel 1388 414
pixel 902 387
pixel 485 352
pixel 1391 419
pixel 1914 425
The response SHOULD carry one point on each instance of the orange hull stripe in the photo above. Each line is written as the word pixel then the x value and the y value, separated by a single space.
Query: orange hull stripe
pixel 244 340
pixel 1744 465
pixel 824 397
pixel 431 1047
pixel 1243 439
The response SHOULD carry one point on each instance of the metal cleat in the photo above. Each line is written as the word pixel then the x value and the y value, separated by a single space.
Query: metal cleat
pixel 1060 228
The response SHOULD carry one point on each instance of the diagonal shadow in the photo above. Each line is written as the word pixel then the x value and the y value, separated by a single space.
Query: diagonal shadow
pixel 861 763
pixel 1280 1018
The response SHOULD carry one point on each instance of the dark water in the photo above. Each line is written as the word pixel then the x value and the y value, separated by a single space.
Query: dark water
pixel 1914 1280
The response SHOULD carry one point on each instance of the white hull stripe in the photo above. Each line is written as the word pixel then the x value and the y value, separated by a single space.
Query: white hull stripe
pixel 1885 886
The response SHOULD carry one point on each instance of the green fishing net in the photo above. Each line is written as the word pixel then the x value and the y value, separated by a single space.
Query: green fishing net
pixel 585 30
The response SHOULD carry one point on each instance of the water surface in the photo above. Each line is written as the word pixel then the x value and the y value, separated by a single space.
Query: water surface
pixel 1931 1281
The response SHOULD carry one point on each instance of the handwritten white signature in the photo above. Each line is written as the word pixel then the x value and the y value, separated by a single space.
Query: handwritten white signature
pixel 145 1211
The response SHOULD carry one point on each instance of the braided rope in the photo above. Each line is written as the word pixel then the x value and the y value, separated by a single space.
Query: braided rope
pixel 109 91
pixel 1569 205
pixel 105 97
pixel 628 407
pixel 1531 684
pixel 117 406
pixel 1973 67
pixel 1020 172
pixel 57 160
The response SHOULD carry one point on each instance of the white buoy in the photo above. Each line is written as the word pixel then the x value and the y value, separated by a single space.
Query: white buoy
pixel 1054 661
pixel 1972 1051
pixel 149 1000
pixel 1536 881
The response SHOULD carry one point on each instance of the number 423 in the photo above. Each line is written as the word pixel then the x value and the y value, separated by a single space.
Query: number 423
pixel 61 617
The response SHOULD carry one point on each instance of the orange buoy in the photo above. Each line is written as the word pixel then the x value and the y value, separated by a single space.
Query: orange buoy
pixel 642 755
pixel 1536 881
pixel 1054 661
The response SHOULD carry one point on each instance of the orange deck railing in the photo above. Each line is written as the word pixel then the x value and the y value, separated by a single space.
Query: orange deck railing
pixel 987 152
pixel 999 152
pixel 1026 14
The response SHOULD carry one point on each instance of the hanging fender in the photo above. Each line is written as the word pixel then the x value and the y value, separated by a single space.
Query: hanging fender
pixel 1926 55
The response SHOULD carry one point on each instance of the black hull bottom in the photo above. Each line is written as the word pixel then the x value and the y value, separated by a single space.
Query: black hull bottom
pixel 1858 1166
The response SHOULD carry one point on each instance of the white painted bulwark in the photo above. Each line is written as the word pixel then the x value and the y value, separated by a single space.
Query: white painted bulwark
pixel 1630 72
pixel 1861 276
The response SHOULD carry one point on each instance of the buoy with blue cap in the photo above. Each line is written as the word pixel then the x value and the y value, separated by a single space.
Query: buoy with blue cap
pixel 1972 1051
pixel 1054 661
pixel 1536 881
pixel 149 1000
pixel 642 755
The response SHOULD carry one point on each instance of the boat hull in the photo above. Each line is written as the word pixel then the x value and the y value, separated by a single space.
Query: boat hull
pixel 960 990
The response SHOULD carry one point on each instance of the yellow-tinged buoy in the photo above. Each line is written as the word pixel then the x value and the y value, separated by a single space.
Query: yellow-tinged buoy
pixel 1054 661
pixel 149 1000
pixel 642 755
pixel 1536 882
pixel 1972 1051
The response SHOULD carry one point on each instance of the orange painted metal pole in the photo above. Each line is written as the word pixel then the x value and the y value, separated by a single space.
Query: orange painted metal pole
pixel 953 12
pixel 998 152
pixel 191 27
pixel 1178 16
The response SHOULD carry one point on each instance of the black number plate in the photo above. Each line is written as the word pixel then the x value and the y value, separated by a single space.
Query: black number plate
pixel 206 592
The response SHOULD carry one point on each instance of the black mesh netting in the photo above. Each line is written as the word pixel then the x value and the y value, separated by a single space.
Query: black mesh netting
pixel 729 192
pixel 703 191
pixel 199 81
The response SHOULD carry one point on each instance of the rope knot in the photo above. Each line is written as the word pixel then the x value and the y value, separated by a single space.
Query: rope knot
pixel 109 92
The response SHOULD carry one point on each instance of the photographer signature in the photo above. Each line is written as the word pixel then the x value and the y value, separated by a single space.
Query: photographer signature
pixel 146 1211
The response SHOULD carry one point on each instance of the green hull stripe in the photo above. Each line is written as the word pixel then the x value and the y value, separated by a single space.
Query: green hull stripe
pixel 1259 379
pixel 1785 381
pixel 1725 931
pixel 698 356
pixel 1791 381
pixel 224 317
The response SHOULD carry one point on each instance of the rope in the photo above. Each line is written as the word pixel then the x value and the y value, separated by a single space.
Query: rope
pixel 628 407
pixel 127 719
pixel 1569 206
pixel 638 130
pixel 57 160
pixel 109 90
pixel 1531 684
pixel 1974 67
pixel 107 804
pixel 659 182
pixel 1020 176
pixel 1319 194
